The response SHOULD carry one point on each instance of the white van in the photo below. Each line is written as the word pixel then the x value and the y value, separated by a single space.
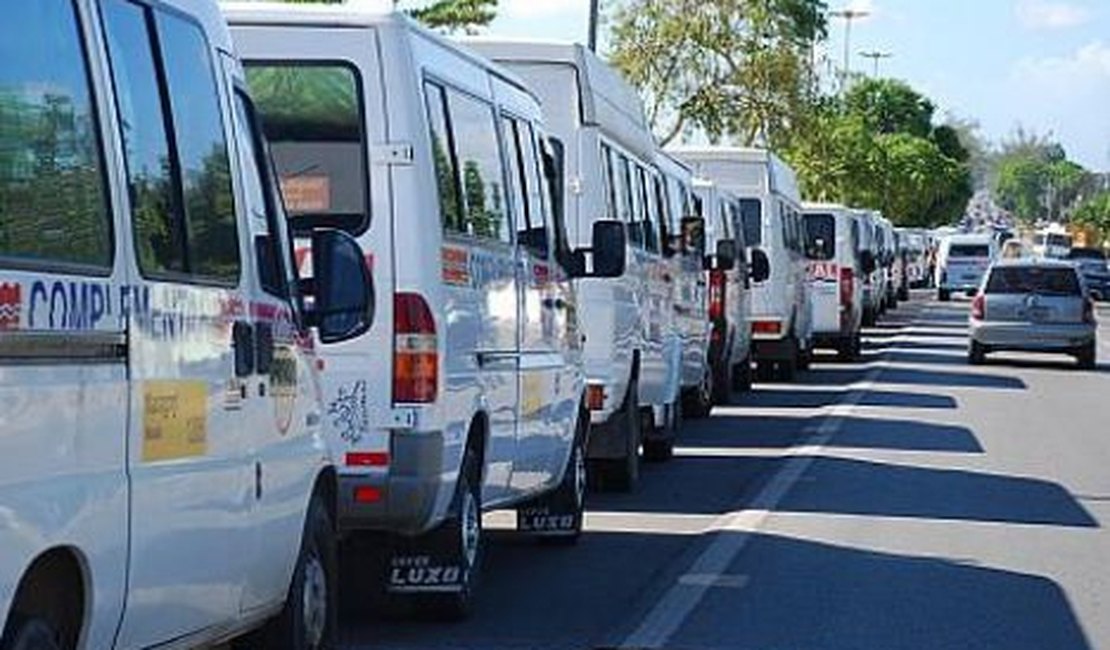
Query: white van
pixel 691 306
pixel 770 206
pixel 962 261
pixel 633 351
pixel 163 477
pixel 888 258
pixel 470 395
pixel 836 270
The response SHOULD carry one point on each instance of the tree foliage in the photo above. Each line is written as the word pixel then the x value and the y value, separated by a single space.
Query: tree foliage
pixel 448 15
pixel 1035 180
pixel 736 68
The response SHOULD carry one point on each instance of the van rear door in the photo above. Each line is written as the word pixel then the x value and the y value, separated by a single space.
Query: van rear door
pixel 822 271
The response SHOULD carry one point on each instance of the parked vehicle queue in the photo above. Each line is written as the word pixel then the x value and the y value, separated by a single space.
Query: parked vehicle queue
pixel 373 284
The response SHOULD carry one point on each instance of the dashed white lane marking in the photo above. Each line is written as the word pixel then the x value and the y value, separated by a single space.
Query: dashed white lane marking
pixel 680 601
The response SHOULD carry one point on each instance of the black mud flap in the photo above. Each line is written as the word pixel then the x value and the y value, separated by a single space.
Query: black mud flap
pixel 428 564
pixel 544 518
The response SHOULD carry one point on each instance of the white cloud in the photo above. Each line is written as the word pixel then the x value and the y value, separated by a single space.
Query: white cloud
pixel 1086 68
pixel 542 9
pixel 1048 14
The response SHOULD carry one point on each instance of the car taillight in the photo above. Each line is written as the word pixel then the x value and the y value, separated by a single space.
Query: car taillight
pixel 716 295
pixel 772 327
pixel 415 350
pixel 979 307
pixel 847 287
pixel 1089 311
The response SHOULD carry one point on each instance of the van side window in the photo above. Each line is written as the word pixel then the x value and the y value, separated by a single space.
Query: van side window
pixel 53 205
pixel 538 210
pixel 751 214
pixel 521 163
pixel 478 152
pixel 668 221
pixel 312 115
pixel 626 202
pixel 443 155
pixel 651 211
pixel 178 167
pixel 609 180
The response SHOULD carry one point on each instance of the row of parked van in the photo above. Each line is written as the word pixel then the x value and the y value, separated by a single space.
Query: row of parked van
pixel 325 304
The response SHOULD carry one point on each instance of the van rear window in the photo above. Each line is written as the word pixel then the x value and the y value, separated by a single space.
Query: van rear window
pixel 312 114
pixel 751 214
pixel 820 236
pixel 969 250
pixel 1034 279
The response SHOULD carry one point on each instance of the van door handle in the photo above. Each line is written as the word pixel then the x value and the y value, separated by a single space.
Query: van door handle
pixel 264 347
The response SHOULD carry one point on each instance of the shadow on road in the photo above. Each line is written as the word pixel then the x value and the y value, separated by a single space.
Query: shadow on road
pixel 784 398
pixel 804 594
pixel 917 377
pixel 845 486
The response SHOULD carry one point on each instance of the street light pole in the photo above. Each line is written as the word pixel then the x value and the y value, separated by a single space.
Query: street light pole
pixel 875 57
pixel 595 11
pixel 848 16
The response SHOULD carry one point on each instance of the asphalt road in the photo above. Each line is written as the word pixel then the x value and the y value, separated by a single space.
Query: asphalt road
pixel 908 501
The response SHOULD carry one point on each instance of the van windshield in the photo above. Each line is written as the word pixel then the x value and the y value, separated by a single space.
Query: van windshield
pixel 1033 279
pixel 820 237
pixel 751 214
pixel 969 250
pixel 312 116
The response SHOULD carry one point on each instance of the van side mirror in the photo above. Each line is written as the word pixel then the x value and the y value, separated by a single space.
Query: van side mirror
pixel 724 258
pixel 342 287
pixel 607 254
pixel 760 268
pixel 867 262
pixel 693 235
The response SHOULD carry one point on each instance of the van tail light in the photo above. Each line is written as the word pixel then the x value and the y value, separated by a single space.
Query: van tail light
pixel 979 307
pixel 767 327
pixel 716 295
pixel 415 350
pixel 847 287
pixel 1089 311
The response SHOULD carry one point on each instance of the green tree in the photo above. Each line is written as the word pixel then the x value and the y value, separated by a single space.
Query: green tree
pixel 1095 213
pixel 1035 180
pixel 890 106
pixel 738 68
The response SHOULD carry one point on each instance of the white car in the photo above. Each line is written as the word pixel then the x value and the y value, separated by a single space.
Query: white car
pixel 163 475
pixel 770 204
pixel 835 274
pixel 633 350
pixel 470 395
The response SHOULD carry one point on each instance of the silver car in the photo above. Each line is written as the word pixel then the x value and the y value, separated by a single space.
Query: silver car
pixel 1035 306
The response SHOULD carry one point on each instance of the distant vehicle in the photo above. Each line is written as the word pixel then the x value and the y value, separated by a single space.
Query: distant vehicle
pixel 1034 306
pixel 1092 264
pixel 961 263
pixel 782 325
pixel 633 352
pixel 871 282
pixel 914 250
pixel 836 267
pixel 471 394
pixel 164 480
pixel 889 269
pixel 1052 242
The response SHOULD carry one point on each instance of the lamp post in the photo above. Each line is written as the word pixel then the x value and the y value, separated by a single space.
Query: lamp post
pixel 848 16
pixel 875 57
pixel 595 11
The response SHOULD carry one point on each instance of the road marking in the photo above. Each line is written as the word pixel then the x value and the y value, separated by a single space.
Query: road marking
pixel 737 581
pixel 680 601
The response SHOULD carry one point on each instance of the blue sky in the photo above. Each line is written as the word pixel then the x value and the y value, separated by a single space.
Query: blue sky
pixel 1044 64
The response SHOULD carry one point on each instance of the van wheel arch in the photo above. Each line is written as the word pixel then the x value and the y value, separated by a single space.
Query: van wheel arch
pixel 327 489
pixel 477 441
pixel 55 590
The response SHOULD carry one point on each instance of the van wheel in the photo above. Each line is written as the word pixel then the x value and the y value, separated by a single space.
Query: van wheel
pixel 742 375
pixel 697 402
pixel 622 474
pixel 463 536
pixel 869 317
pixel 849 348
pixel 977 354
pixel 944 295
pixel 765 370
pixel 30 634
pixel 661 449
pixel 1087 356
pixel 788 368
pixel 309 619
pixel 721 392
pixel 563 509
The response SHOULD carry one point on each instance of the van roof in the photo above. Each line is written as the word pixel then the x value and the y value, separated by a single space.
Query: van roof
pixel 284 14
pixel 972 238
pixel 818 207
pixel 778 178
pixel 207 13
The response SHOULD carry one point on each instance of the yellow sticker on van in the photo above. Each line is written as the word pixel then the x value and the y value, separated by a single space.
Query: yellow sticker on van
pixel 175 420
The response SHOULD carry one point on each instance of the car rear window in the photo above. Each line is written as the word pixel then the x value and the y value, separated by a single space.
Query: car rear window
pixel 1087 254
pixel 969 250
pixel 1034 279
pixel 312 115
pixel 751 214
pixel 820 236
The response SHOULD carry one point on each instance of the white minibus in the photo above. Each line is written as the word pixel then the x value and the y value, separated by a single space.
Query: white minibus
pixel 470 394
pixel 163 476
pixel 633 350
pixel 770 205
pixel 836 270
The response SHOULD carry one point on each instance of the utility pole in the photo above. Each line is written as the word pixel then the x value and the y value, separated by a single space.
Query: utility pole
pixel 848 16
pixel 875 57
pixel 595 18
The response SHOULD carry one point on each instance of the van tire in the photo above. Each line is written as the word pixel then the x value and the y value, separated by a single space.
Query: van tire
pixel 976 354
pixel 742 375
pixel 848 349
pixel 697 402
pixel 661 449
pixel 721 385
pixel 309 619
pixel 30 634
pixel 944 295
pixel 571 493
pixel 787 368
pixel 464 529
pixel 765 370
pixel 1087 356
pixel 869 317
pixel 622 474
